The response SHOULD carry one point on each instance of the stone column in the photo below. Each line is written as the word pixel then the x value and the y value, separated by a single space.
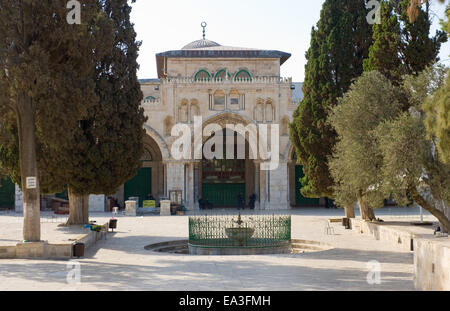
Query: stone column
pixel 267 187
pixel 257 186
pixel 279 187
pixel 175 177
pixel 130 208
pixel 166 194
pixel 190 204
pixel 165 208
pixel 196 185
pixel 288 196
pixel 262 189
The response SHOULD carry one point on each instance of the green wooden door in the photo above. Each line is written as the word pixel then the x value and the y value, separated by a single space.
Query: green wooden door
pixel 63 195
pixel 300 200
pixel 7 192
pixel 140 186
pixel 223 195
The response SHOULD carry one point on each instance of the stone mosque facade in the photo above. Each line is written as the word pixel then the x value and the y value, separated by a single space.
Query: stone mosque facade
pixel 224 85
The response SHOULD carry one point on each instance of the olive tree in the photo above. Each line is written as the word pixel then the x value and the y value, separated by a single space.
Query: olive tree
pixel 356 161
pixel 412 164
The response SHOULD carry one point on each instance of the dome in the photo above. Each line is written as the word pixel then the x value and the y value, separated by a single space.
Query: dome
pixel 199 44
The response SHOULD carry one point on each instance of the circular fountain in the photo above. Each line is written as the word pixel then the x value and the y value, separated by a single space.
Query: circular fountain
pixel 246 235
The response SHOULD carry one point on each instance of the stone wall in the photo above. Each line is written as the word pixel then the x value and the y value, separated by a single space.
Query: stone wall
pixel 279 188
pixel 379 231
pixel 44 250
pixel 188 67
pixel 175 177
pixel 7 252
pixel 432 264
pixel 431 255
pixel 97 203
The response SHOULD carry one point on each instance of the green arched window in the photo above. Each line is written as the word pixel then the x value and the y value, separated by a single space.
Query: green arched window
pixel 222 75
pixel 202 75
pixel 149 99
pixel 243 75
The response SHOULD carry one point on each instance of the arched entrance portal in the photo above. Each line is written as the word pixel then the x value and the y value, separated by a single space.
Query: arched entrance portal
pixel 149 181
pixel 223 181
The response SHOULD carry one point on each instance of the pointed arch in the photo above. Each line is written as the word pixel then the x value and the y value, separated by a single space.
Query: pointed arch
pixel 183 111
pixel 161 143
pixel 269 111
pixel 243 75
pixel 202 75
pixel 221 75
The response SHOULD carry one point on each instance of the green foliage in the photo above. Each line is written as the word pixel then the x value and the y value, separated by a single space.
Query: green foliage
pixel 438 119
pixel 89 124
pixel 384 53
pixel 411 160
pixel 46 65
pixel 402 47
pixel 437 110
pixel 107 145
pixel 356 162
pixel 338 46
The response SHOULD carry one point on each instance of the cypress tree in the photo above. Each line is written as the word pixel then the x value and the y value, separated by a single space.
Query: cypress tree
pixel 107 147
pixel 384 53
pixel 45 86
pixel 401 46
pixel 338 47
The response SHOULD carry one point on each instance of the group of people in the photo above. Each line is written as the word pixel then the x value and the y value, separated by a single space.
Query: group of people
pixel 241 201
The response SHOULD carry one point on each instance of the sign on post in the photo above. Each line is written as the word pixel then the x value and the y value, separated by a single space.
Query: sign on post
pixel 31 182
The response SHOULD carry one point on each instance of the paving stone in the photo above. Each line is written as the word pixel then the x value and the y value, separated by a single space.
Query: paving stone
pixel 121 263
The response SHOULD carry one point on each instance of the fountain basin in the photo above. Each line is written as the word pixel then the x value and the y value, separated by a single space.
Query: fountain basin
pixel 240 235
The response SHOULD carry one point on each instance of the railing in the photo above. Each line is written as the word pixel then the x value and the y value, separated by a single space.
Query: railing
pixel 266 231
pixel 151 103
pixel 256 80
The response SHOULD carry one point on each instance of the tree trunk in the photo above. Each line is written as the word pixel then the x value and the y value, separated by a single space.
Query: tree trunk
pixel 350 212
pixel 440 215
pixel 447 214
pixel 79 209
pixel 28 168
pixel 367 213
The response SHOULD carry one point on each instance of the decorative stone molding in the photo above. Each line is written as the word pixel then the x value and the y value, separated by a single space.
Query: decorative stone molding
pixel 256 80
pixel 163 147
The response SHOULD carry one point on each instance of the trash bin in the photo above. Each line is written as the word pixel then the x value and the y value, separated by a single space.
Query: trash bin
pixel 78 250
pixel 113 224
pixel 346 223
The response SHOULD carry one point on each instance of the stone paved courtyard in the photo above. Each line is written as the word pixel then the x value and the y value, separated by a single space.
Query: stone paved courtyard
pixel 121 263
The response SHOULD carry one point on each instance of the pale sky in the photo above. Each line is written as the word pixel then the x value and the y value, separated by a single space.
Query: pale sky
pixel 283 25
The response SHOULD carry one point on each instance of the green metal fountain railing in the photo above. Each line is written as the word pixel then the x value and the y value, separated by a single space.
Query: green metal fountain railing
pixel 267 231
